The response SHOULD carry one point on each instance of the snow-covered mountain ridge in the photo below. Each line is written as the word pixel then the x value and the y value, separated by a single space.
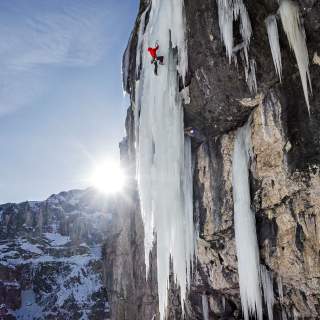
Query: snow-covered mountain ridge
pixel 51 257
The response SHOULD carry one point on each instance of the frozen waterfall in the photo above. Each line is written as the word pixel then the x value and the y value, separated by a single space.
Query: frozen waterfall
pixel 163 154
pixel 245 228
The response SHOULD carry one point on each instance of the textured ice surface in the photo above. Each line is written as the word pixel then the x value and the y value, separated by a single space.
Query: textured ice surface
pixel 205 307
pixel 273 36
pixel 245 228
pixel 163 156
pixel 230 11
pixel 250 72
pixel 294 30
pixel 267 286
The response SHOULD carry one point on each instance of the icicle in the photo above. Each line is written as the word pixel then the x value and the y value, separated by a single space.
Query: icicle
pixel 245 24
pixel 273 36
pixel 295 314
pixel 245 228
pixel 284 315
pixel 267 287
pixel 225 12
pixel 280 289
pixel 188 194
pixel 205 307
pixel 250 73
pixel 294 30
pixel 163 155
pixel 228 12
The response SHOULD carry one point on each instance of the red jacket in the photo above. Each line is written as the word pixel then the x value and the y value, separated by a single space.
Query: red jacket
pixel 153 52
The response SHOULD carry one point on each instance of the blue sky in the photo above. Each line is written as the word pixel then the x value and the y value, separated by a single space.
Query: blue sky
pixel 61 100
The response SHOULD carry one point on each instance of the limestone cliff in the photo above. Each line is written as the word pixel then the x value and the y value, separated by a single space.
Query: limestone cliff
pixel 283 171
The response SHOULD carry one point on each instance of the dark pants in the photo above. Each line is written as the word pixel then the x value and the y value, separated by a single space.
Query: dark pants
pixel 155 62
pixel 160 59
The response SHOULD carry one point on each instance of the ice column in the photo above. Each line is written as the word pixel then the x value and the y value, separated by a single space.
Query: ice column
pixel 163 154
pixel 245 228
pixel 273 36
pixel 267 286
pixel 290 17
pixel 205 307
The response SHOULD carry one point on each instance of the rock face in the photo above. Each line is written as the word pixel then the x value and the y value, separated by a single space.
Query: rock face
pixel 284 172
pixel 132 296
pixel 50 261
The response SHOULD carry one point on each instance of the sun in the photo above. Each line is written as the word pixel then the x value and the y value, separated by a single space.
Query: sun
pixel 108 177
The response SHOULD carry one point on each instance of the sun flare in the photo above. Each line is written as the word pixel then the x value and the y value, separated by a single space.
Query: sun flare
pixel 108 177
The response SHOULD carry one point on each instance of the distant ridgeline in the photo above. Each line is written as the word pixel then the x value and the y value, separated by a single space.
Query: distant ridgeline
pixel 51 257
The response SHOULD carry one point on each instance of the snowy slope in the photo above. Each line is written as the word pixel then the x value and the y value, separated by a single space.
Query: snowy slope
pixel 50 257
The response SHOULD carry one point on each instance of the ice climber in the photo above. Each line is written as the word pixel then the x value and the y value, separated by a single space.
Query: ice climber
pixel 155 57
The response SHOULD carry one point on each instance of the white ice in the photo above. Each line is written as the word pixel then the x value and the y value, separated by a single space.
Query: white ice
pixel 163 156
pixel 250 72
pixel 267 286
pixel 290 17
pixel 228 12
pixel 273 36
pixel 280 288
pixel 205 307
pixel 245 228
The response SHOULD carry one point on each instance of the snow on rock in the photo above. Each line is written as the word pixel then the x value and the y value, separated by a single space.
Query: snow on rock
pixel 29 307
pixel 31 248
pixel 54 256
pixel 163 156
pixel 273 36
pixel 245 228
pixel 290 17
pixel 57 239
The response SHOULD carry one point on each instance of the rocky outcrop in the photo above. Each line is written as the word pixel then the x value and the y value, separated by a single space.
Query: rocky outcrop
pixel 50 258
pixel 132 296
pixel 284 167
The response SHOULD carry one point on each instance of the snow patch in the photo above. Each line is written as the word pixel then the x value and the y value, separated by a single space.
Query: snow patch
pixel 31 248
pixel 57 239
pixel 29 308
